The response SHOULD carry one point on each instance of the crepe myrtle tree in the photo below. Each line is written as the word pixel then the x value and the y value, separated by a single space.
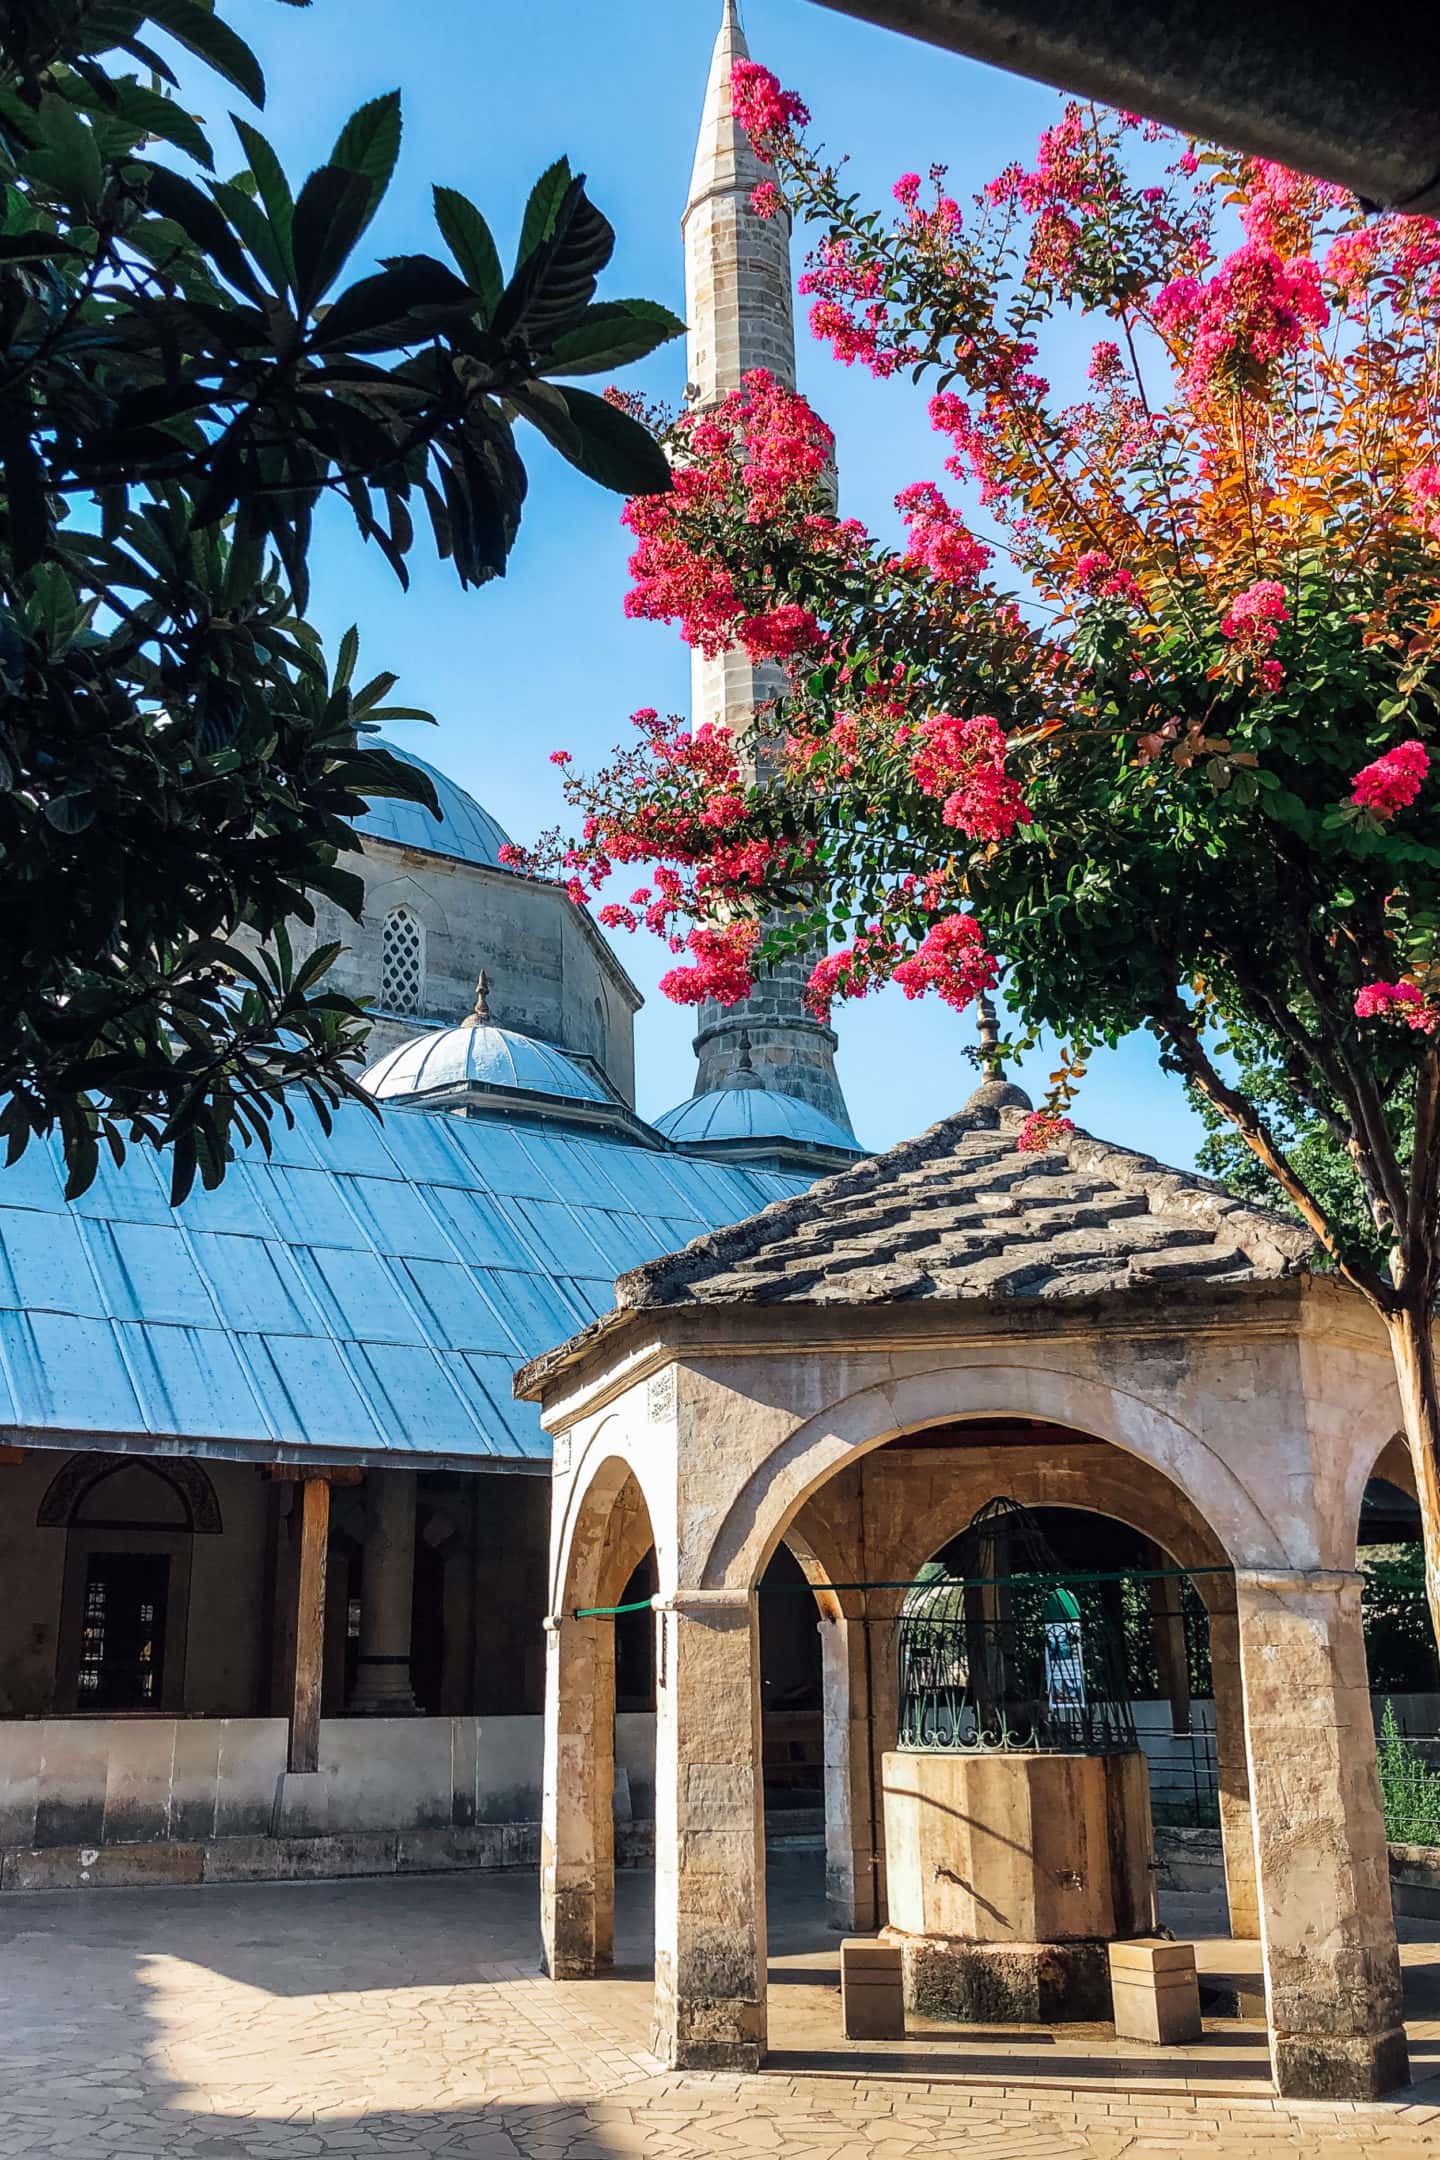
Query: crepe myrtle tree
pixel 186 371
pixel 1138 724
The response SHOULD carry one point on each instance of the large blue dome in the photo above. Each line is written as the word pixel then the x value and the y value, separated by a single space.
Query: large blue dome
pixel 466 832
pixel 479 1055
pixel 752 1113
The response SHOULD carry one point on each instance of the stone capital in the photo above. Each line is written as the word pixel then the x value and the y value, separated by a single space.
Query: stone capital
pixel 1297 1581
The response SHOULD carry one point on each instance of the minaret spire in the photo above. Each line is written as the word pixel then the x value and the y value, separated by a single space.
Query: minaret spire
pixel 739 311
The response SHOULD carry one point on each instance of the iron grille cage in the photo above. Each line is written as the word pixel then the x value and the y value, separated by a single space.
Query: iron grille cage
pixel 1007 1656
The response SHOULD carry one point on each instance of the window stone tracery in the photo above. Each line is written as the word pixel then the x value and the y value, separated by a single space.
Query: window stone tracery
pixel 402 962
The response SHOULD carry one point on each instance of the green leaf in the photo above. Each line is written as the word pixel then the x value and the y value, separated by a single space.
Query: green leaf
pixel 174 197
pixel 332 212
pixel 255 229
pixel 36 247
pixel 413 286
pixel 610 335
pixel 614 449
pixel 201 31
pixel 369 143
pixel 66 157
pixel 468 238
pixel 550 292
pixel 544 406
pixel 542 209
pixel 272 186
pixel 163 117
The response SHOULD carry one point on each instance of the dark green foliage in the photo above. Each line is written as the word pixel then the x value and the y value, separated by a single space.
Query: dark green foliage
pixel 183 378
pixel 1310 1144
pixel 1399 1644
pixel 1409 1787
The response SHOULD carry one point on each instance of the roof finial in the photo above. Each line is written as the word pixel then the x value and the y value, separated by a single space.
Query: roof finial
pixel 989 1031
pixel 480 1015
pixel 995 1093
pixel 745 1064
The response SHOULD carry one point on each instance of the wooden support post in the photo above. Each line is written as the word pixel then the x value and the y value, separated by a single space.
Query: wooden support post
pixel 305 1684
pixel 1167 1619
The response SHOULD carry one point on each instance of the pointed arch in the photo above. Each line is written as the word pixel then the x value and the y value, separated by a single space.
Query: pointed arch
pixel 75 1480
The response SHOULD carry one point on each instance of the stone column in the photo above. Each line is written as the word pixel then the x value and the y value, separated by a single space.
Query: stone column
pixel 1332 1973
pixel 382 1673
pixel 710 1972
pixel 1237 1822
pixel 577 1831
pixel 852 1835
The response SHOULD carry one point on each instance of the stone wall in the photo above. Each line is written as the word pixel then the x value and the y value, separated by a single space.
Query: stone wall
pixel 215 1786
pixel 216 1631
pixel 1192 1860
pixel 551 974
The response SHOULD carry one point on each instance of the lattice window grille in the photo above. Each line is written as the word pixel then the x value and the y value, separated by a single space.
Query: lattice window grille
pixel 402 963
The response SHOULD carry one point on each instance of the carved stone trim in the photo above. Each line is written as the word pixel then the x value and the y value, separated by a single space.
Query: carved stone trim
pixel 77 1478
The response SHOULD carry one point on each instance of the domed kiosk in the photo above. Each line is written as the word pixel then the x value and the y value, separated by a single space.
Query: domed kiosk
pixel 481 1067
pixel 749 1122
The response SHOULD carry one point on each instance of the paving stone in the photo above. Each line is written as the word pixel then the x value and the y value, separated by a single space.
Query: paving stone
pixel 405 2018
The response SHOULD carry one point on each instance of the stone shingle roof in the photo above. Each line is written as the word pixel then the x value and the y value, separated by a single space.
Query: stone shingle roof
pixel 960 1213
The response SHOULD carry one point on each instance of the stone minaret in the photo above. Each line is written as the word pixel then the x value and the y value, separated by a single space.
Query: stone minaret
pixel 738 306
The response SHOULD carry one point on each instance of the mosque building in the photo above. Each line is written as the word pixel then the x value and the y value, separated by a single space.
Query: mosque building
pixel 264 1477
pixel 275 1534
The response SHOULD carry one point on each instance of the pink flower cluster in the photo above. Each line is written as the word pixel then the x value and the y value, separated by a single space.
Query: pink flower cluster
pixel 940 540
pixel 1095 572
pixel 1393 781
pixel 1254 616
pixel 1067 170
pixel 1281 206
pixel 780 633
pixel 766 199
pixel 847 288
pixel 722 965
pixel 1424 496
pixel 1041 1131
pixel 767 113
pixel 1404 247
pixel 952 960
pixel 762 450
pixel 1404 1003
pixel 961 763
pixel 1234 326
pixel 851 971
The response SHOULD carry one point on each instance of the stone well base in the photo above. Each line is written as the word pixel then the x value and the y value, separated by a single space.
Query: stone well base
pixel 978 1983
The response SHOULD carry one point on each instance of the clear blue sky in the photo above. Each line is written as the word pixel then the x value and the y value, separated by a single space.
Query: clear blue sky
pixel 546 659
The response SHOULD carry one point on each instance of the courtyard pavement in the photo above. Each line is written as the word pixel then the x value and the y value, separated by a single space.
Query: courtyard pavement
pixel 407 2017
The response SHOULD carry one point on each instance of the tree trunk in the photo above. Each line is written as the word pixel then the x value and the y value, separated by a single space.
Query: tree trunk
pixel 1412 1345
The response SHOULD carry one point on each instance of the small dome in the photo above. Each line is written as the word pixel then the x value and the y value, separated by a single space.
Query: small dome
pixel 480 1056
pixel 998 1094
pixel 753 1113
pixel 466 832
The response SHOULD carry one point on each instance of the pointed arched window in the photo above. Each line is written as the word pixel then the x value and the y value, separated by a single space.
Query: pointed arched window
pixel 402 963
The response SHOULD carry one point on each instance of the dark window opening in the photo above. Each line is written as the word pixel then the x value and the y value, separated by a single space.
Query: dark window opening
pixel 122 1642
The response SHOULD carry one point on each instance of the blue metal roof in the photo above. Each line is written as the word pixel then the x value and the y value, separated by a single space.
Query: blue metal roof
pixel 485 1056
pixel 369 1292
pixel 752 1113
pixel 466 832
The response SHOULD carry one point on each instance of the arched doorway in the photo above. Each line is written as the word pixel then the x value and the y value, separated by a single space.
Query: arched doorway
pixel 129 1525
